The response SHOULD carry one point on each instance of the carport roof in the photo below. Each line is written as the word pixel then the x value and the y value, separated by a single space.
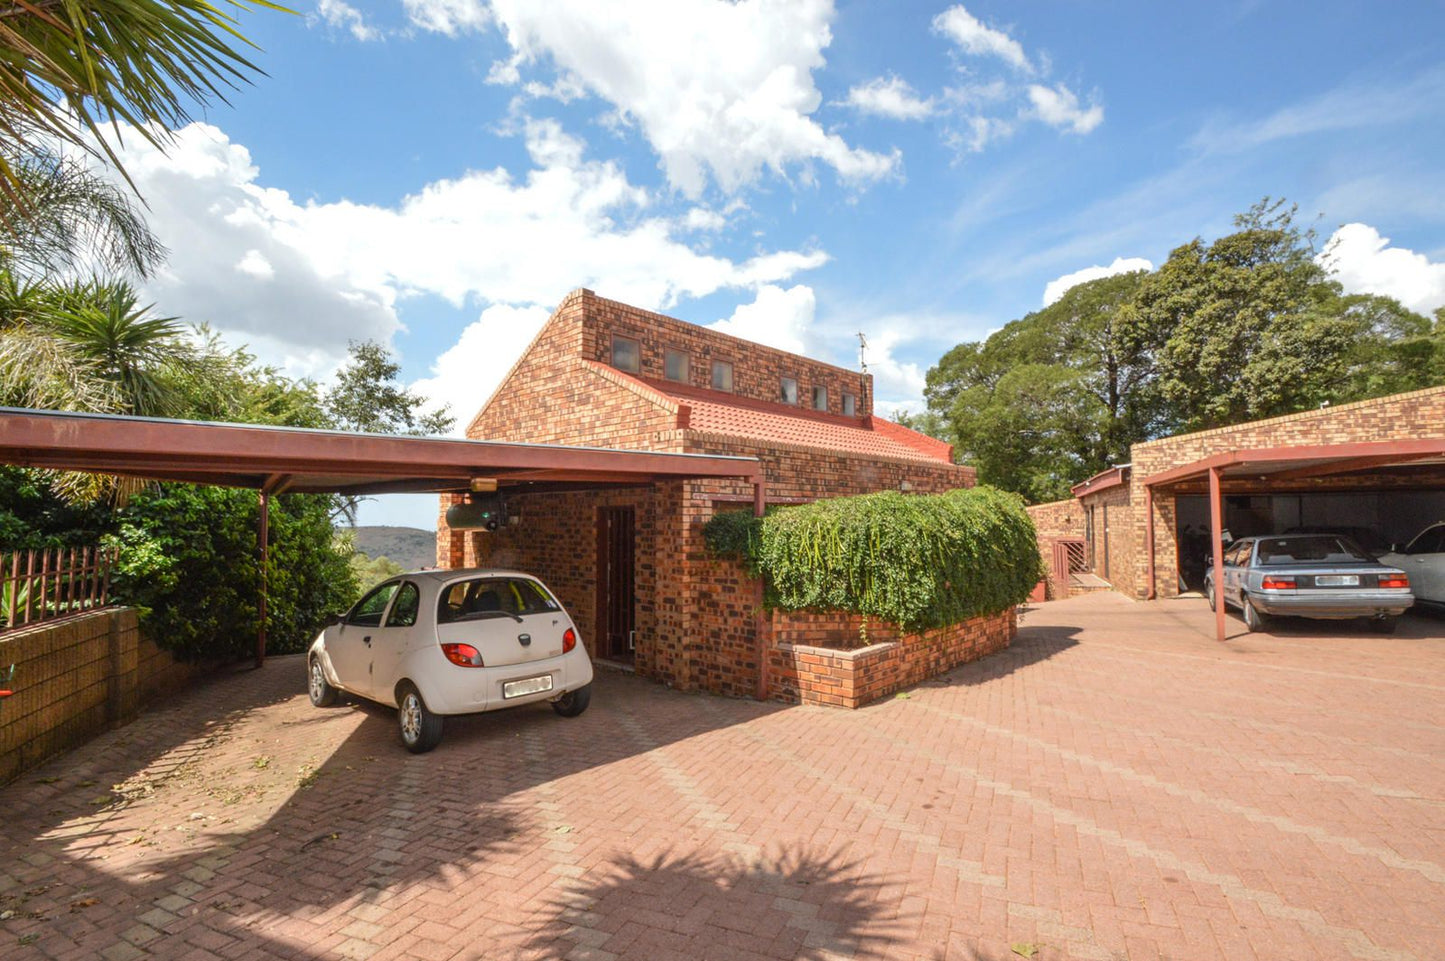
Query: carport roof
pixel 302 460
pixel 1307 460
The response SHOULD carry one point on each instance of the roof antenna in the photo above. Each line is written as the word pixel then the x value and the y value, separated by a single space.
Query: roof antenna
pixel 862 357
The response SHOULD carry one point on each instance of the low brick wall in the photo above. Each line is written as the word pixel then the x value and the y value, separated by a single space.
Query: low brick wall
pixel 806 665
pixel 74 678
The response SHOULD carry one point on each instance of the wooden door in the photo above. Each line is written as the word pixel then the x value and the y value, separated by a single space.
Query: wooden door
pixel 616 598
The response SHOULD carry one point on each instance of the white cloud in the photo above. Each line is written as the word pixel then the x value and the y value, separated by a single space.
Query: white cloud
pixel 1365 263
pixel 975 109
pixel 1121 265
pixel 722 91
pixel 964 29
pixel 1059 107
pixel 896 384
pixel 889 97
pixel 701 218
pixel 466 374
pixel 450 17
pixel 343 16
pixel 256 264
pixel 339 270
pixel 777 317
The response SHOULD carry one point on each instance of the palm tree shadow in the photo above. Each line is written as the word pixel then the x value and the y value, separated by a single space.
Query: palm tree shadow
pixel 798 904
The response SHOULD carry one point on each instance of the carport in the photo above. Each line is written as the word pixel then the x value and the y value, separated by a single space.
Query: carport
pixel 276 460
pixel 1397 466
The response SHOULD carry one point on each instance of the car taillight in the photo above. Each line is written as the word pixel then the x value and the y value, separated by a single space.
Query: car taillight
pixel 569 640
pixel 1278 584
pixel 463 655
pixel 1394 580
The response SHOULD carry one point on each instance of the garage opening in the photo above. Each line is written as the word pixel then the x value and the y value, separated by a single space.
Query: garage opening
pixel 1377 520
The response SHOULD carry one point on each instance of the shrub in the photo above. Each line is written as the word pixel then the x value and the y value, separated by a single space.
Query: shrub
pixel 919 561
pixel 188 562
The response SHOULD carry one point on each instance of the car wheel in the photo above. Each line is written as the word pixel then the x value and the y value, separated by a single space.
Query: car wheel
pixel 1383 625
pixel 1253 619
pixel 320 689
pixel 421 730
pixel 1209 593
pixel 574 702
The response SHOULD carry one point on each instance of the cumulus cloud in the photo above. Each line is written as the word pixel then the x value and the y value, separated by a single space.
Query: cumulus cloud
pixel 343 16
pixel 298 280
pixel 466 375
pixel 776 317
pixel 888 97
pixel 722 91
pixel 1058 106
pixel 1365 263
pixel 449 17
pixel 964 29
pixel 1055 289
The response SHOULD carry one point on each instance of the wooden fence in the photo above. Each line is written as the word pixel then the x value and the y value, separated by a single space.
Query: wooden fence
pixel 41 585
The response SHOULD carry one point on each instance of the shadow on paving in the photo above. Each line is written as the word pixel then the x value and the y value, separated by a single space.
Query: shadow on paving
pixel 1030 646
pixel 370 821
pixel 796 905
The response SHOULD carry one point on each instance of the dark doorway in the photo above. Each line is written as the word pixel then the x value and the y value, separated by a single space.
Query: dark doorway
pixel 616 598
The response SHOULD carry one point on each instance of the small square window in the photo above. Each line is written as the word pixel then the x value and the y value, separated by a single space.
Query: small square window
pixel 626 355
pixel 722 375
pixel 820 398
pixel 788 390
pixel 850 405
pixel 675 364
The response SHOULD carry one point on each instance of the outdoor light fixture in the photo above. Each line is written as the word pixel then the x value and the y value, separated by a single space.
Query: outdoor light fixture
pixel 904 486
pixel 483 485
pixel 485 513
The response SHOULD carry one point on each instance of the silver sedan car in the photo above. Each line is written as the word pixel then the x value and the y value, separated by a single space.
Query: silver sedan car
pixel 1309 575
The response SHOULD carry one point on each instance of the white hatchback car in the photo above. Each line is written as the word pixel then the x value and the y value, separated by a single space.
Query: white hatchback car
pixel 432 643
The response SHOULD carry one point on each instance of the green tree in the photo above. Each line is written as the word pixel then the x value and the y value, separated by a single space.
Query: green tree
pixel 1246 327
pixel 1051 398
pixel 367 397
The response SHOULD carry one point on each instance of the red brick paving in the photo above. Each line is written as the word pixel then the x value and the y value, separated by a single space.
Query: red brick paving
pixel 1116 785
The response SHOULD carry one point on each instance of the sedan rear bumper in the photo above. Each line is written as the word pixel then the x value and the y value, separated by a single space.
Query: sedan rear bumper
pixel 1331 603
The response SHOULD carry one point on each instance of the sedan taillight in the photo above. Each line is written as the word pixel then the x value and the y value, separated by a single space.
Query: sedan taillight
pixel 463 655
pixel 569 640
pixel 1278 584
pixel 1394 580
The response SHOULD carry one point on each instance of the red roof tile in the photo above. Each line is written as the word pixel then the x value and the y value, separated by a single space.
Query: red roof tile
pixel 715 412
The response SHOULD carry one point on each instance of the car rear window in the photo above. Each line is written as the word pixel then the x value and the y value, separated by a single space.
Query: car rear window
pixel 1276 551
pixel 493 597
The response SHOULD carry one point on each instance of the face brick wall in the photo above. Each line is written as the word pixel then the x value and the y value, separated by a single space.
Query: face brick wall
pixel 699 622
pixel 1055 521
pixel 757 370
pixel 1419 414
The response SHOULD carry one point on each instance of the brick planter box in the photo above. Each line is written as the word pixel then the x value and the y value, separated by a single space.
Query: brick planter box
pixel 806 664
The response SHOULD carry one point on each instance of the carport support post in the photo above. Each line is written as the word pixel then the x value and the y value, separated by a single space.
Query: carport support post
pixel 1216 536
pixel 1149 540
pixel 263 554
pixel 762 624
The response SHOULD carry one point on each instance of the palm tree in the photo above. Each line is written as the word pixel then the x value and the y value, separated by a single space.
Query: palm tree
pixel 71 68
pixel 64 217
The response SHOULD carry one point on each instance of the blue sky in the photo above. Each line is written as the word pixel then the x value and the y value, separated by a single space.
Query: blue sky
pixel 437 174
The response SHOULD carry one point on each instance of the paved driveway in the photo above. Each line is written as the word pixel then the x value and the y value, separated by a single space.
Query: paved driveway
pixel 1115 785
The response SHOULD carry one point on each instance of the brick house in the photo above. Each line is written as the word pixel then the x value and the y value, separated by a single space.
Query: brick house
pixel 630 563
pixel 1377 465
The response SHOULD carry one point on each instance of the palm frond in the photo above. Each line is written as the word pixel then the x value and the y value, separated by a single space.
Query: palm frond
pixel 71 68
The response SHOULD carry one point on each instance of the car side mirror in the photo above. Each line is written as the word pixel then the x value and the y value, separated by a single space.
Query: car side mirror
pixel 333 619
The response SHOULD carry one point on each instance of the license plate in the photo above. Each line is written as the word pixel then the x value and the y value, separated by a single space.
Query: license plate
pixel 530 685
pixel 1338 580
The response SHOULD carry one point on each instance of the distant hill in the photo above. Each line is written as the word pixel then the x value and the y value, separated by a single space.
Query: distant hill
pixel 410 547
